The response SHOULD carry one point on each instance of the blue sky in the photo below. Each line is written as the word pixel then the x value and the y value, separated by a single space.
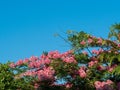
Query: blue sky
pixel 27 27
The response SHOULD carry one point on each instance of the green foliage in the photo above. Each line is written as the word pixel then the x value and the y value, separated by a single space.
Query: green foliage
pixel 115 32
pixel 75 38
pixel 8 81
pixel 81 58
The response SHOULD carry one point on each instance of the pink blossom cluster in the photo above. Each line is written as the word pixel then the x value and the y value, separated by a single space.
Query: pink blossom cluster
pixel 12 65
pixel 92 63
pixel 68 85
pixel 54 54
pixel 70 52
pixel 33 58
pixel 91 40
pixel 40 62
pixel 25 61
pixel 119 45
pixel 28 73
pixel 111 68
pixel 83 42
pixel 36 85
pixel 82 72
pixel 103 85
pixel 35 62
pixel 39 67
pixel 46 73
pixel 108 68
pixel 68 57
pixel 99 40
pixel 97 52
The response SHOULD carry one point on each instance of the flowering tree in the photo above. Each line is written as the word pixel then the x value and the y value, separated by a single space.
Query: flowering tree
pixel 93 63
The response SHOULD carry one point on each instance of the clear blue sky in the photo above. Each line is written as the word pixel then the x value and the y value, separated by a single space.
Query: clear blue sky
pixel 27 26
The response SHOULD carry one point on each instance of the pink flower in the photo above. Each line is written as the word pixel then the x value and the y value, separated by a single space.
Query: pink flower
pixel 54 54
pixel 37 64
pixel 47 61
pixel 31 65
pixel 95 52
pixel 44 62
pixel 67 54
pixel 12 65
pixel 99 41
pixel 20 62
pixel 82 72
pixel 36 85
pixel 98 85
pixel 26 60
pixel 43 56
pixel 119 45
pixel 103 85
pixel 33 58
pixel 45 74
pixel 91 63
pixel 68 85
pixel 69 60
pixel 28 73
pixel 90 41
pixel 109 82
pixel 111 68
pixel 83 42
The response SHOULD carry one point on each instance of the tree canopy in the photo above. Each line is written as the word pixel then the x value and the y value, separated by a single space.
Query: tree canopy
pixel 92 63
